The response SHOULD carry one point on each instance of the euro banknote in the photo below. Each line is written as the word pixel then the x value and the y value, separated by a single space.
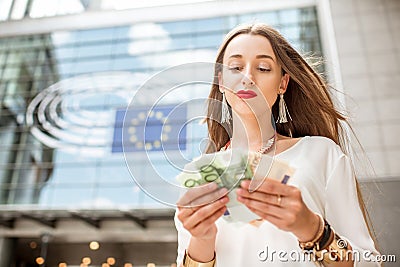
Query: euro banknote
pixel 228 168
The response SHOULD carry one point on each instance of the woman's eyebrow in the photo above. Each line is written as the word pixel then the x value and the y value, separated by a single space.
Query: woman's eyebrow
pixel 265 56
pixel 258 56
pixel 235 56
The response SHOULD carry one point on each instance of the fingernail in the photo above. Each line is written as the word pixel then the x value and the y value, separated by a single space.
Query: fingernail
pixel 224 200
pixel 223 210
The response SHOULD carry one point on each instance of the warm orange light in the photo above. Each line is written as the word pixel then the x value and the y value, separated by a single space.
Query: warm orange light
pixel 111 260
pixel 83 265
pixel 94 245
pixel 39 260
pixel 86 260
pixel 62 264
pixel 128 265
pixel 150 264
pixel 105 265
pixel 33 245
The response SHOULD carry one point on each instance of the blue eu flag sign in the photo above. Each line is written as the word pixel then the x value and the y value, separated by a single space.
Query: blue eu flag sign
pixel 150 129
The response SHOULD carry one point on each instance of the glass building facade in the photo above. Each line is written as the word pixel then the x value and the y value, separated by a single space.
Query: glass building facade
pixel 34 172
pixel 62 152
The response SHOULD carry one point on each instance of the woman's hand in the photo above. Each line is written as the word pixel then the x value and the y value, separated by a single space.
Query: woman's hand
pixel 200 207
pixel 282 205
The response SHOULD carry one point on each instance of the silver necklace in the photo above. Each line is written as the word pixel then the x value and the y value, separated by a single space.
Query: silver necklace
pixel 266 147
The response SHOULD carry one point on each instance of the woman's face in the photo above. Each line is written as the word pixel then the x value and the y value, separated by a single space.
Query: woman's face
pixel 251 77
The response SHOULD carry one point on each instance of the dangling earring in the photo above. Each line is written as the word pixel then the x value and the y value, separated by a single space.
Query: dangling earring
pixel 225 114
pixel 282 117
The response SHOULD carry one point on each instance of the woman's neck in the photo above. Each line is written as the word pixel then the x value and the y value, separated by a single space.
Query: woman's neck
pixel 250 132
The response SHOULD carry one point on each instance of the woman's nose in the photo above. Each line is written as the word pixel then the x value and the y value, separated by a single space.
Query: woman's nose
pixel 247 81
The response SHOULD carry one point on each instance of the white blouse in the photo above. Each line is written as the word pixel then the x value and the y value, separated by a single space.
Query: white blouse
pixel 325 177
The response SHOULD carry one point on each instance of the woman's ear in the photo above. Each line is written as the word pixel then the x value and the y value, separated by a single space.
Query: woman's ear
pixel 284 83
pixel 220 83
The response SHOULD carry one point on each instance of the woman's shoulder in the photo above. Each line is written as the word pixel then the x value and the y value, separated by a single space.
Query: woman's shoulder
pixel 322 145
pixel 321 154
pixel 320 140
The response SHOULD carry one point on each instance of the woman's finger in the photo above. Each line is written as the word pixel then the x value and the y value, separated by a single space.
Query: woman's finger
pixel 204 225
pixel 260 196
pixel 196 192
pixel 204 213
pixel 264 208
pixel 270 186
pixel 209 198
pixel 188 210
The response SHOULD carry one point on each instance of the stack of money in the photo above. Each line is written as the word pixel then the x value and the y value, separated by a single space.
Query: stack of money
pixel 227 169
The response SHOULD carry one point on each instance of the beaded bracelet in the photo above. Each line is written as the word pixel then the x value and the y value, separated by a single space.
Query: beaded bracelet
pixel 309 245
pixel 336 250
pixel 327 246
pixel 326 237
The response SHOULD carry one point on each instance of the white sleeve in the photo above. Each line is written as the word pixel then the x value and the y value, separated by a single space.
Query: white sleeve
pixel 183 239
pixel 343 213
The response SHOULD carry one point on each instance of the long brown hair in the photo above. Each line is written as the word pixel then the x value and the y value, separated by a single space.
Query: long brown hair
pixel 307 97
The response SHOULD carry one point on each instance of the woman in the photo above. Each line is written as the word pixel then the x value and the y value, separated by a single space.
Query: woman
pixel 318 212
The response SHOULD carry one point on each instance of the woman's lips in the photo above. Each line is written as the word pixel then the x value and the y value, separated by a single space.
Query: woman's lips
pixel 246 94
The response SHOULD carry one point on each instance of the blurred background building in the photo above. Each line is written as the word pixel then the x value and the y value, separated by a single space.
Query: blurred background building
pixel 68 68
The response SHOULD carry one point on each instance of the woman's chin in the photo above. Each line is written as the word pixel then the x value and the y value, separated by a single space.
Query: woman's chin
pixel 244 111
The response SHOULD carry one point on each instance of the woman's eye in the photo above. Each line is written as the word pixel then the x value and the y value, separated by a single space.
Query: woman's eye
pixel 262 69
pixel 235 68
